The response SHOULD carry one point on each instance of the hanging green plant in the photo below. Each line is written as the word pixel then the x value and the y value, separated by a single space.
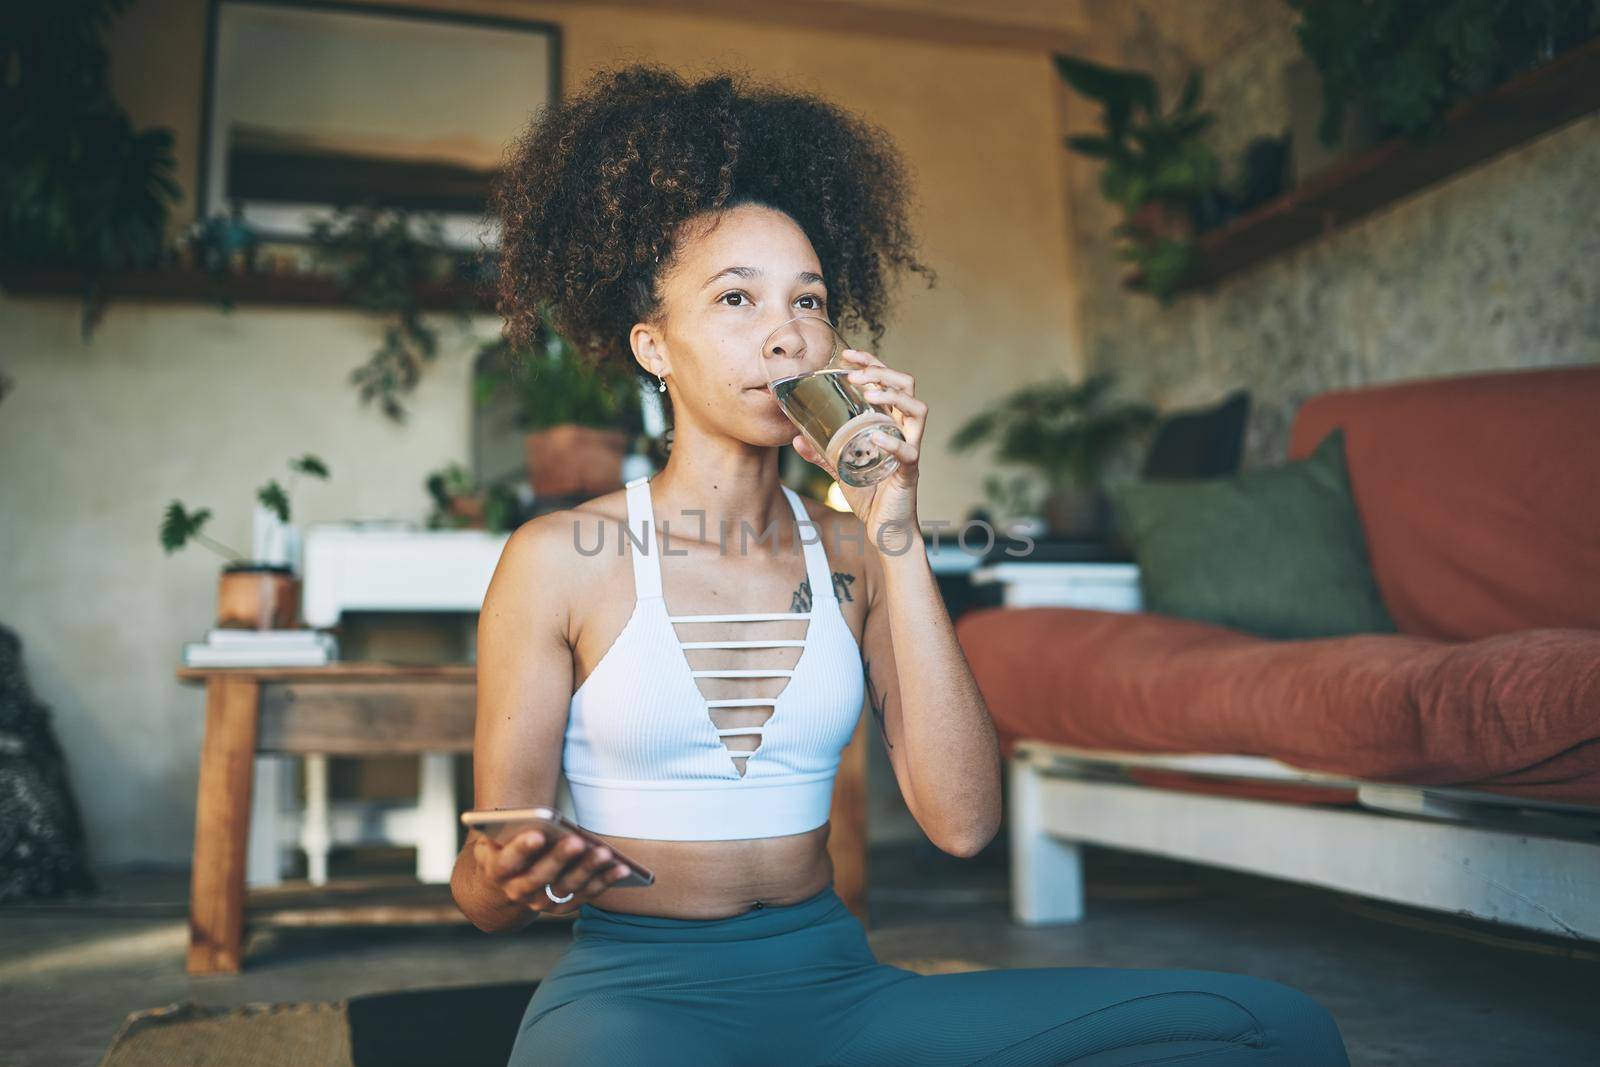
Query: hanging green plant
pixel 380 255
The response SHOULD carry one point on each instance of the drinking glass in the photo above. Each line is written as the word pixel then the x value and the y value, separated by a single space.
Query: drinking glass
pixel 806 371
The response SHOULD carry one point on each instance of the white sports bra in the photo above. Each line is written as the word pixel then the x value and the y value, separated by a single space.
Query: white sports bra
pixel 643 755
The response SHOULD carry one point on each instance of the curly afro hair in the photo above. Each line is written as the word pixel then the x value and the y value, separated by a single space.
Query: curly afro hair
pixel 597 186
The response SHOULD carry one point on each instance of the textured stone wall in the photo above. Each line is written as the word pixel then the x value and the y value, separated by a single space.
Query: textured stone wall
pixel 1497 267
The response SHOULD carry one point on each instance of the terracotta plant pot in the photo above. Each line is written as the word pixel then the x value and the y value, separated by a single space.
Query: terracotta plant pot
pixel 469 509
pixel 1157 219
pixel 569 459
pixel 258 596
pixel 1082 514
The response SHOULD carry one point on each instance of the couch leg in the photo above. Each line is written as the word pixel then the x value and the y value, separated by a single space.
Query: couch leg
pixel 1046 871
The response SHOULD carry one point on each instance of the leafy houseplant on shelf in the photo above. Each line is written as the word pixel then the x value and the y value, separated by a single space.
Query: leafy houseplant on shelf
pixel 1067 431
pixel 261 592
pixel 1405 63
pixel 1156 167
pixel 579 418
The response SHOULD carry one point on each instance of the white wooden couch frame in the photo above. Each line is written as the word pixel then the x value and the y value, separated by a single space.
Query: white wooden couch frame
pixel 1527 864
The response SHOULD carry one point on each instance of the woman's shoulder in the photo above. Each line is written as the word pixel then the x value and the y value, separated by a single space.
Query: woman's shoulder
pixel 566 541
pixel 587 516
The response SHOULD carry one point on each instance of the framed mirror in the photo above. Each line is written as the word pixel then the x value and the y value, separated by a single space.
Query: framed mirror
pixel 310 105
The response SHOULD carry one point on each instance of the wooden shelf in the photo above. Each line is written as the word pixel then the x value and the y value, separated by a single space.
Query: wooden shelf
pixel 1528 105
pixel 183 285
pixel 341 671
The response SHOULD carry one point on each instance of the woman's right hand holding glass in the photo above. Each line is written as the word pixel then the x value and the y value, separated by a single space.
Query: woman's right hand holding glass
pixel 522 867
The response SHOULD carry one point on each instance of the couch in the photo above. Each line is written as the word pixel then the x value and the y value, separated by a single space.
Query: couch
pixel 1452 764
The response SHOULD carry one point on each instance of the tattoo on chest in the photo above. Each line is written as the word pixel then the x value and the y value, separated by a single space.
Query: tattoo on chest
pixel 842 581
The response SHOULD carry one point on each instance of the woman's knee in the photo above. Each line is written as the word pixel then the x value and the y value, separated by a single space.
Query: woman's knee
pixel 1292 1023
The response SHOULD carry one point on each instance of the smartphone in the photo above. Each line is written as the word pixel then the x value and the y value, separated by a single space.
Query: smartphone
pixel 502 824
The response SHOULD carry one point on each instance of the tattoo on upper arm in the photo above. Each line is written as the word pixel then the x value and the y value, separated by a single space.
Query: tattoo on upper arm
pixel 876 702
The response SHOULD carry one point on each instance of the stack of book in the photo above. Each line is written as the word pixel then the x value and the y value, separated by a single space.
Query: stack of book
pixel 262 648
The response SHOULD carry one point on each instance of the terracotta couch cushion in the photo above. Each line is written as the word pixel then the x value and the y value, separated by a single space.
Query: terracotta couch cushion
pixel 1517 714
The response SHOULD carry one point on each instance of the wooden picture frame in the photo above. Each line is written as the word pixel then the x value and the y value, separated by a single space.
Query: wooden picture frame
pixel 311 105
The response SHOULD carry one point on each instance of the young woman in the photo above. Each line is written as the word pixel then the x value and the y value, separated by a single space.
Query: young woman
pixel 696 691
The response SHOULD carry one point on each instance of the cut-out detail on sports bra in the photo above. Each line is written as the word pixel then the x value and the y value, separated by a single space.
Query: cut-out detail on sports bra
pixel 644 753
pixel 757 730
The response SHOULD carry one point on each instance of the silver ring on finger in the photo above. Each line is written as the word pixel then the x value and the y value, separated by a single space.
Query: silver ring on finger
pixel 558 900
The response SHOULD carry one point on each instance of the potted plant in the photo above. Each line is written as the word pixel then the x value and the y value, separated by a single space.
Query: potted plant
pixel 261 592
pixel 1156 167
pixel 579 418
pixel 1013 503
pixel 459 501
pixel 1066 431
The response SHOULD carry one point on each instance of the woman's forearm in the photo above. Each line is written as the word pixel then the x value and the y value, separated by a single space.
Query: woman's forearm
pixel 950 740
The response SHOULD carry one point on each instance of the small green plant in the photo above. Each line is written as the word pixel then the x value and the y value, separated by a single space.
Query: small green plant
pixel 1157 168
pixel 179 525
pixel 222 247
pixel 1065 430
pixel 458 500
pixel 1408 61
pixel 379 256
pixel 1011 497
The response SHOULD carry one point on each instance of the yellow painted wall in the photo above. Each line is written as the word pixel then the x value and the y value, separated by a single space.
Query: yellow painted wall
pixel 183 401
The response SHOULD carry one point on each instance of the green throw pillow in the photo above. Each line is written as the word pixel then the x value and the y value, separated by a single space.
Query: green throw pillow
pixel 1274 551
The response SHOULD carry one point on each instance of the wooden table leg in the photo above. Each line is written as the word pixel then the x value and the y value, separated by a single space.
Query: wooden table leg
pixel 222 825
pixel 847 834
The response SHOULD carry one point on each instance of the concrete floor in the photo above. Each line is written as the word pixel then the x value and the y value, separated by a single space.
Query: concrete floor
pixel 1409 988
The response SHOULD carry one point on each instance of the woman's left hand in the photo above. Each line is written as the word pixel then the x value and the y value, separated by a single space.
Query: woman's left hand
pixel 889 508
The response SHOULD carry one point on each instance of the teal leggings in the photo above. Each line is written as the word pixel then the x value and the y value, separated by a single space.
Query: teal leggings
pixel 798 984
